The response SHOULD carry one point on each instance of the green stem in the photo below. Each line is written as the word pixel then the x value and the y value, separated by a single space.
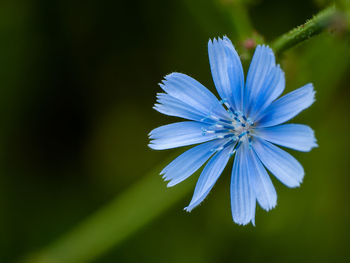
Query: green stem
pixel 119 219
pixel 312 27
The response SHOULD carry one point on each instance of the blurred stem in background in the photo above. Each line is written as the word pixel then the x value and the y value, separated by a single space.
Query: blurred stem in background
pixel 108 227
pixel 149 198
pixel 312 27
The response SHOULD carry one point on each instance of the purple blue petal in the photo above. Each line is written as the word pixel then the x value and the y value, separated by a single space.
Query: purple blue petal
pixel 209 176
pixel 243 199
pixel 179 134
pixel 189 162
pixel 287 107
pixel 295 136
pixel 280 163
pixel 264 190
pixel 191 92
pixel 260 67
pixel 227 71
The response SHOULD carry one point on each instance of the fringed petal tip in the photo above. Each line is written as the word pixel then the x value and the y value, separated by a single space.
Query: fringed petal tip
pixel 192 206
pixel 188 209
pixel 227 71
pixel 269 208
pixel 244 223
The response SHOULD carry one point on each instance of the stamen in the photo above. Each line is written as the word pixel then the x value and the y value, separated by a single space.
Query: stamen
pixel 225 121
pixel 236 119
pixel 233 130
pixel 238 113
pixel 228 106
pixel 250 142
pixel 242 134
pixel 250 122
pixel 223 101
pixel 227 144
pixel 221 131
pixel 238 145
pixel 232 136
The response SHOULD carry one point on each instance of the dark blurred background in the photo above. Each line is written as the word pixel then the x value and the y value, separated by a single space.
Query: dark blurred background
pixel 78 80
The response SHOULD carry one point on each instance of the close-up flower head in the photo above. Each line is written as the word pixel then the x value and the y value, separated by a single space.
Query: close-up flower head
pixel 245 124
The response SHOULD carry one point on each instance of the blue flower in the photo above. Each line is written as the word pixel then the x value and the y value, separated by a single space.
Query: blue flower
pixel 247 122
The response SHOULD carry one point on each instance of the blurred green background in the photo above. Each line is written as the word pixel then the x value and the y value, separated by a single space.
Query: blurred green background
pixel 78 80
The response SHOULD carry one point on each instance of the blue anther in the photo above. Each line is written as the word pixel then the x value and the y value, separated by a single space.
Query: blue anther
pixel 238 145
pixel 250 142
pixel 244 118
pixel 227 127
pixel 229 108
pixel 250 122
pixel 236 119
pixel 238 113
pixel 227 144
pixel 242 124
pixel 225 121
pixel 221 131
pixel 242 134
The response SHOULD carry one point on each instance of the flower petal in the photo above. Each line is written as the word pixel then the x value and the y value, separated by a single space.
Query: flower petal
pixel 287 107
pixel 171 106
pixel 243 198
pixel 271 89
pixel 261 73
pixel 209 176
pixel 189 162
pixel 296 136
pixel 227 71
pixel 179 134
pixel 264 190
pixel 191 92
pixel 280 163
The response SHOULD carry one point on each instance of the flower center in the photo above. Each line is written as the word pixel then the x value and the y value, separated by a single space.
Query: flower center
pixel 236 130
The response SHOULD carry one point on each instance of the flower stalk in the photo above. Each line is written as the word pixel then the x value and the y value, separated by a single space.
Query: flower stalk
pixel 112 224
pixel 312 27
